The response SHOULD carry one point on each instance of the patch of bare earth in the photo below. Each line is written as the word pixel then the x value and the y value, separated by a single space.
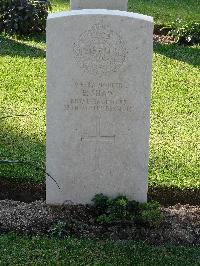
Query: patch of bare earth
pixel 181 223
pixel 163 39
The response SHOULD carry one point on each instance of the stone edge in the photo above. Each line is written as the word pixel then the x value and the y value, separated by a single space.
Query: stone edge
pixel 100 12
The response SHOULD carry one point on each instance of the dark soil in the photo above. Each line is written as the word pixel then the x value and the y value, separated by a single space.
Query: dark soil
pixel 181 223
pixel 161 35
pixel 23 191
pixel 161 29
pixel 163 39
pixel 29 192
pixel 171 196
pixel 23 210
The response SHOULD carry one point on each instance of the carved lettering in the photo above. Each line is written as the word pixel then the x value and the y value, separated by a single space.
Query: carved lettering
pixel 98 96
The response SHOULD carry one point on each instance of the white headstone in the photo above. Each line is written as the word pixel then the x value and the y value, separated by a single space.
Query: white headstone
pixel 98 104
pixel 99 4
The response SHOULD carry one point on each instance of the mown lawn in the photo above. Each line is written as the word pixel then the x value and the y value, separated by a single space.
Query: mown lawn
pixel 60 5
pixel 175 112
pixel 22 107
pixel 167 11
pixel 175 117
pixel 18 250
pixel 163 11
pixel 174 150
pixel 175 109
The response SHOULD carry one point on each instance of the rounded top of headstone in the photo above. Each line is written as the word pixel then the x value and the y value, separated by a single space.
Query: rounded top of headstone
pixel 100 12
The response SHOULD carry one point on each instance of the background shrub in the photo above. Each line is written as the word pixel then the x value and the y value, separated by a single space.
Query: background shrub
pixel 187 33
pixel 24 16
pixel 4 4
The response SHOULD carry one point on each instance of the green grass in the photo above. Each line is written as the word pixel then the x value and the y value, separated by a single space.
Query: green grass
pixel 175 111
pixel 174 150
pixel 163 11
pixel 167 11
pixel 175 117
pixel 17 250
pixel 22 101
pixel 60 5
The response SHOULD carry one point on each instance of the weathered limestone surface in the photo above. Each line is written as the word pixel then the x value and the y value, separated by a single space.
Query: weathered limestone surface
pixel 99 4
pixel 98 104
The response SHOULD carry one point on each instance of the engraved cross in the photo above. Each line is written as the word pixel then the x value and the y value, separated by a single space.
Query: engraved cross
pixel 98 138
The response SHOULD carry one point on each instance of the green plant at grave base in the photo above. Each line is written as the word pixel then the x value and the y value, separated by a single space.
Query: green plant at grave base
pixel 116 210
pixel 118 207
pixel 121 209
pixel 150 214
pixel 58 230
pixel 24 16
pixel 188 33
pixel 100 202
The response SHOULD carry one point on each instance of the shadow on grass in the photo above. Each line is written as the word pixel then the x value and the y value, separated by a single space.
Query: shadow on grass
pixel 187 54
pixel 27 191
pixel 173 195
pixel 22 164
pixel 173 178
pixel 24 180
pixel 37 38
pixel 22 157
pixel 13 47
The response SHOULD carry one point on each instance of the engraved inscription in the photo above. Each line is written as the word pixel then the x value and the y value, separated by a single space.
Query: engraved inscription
pixel 98 138
pixel 93 104
pixel 100 50
pixel 99 96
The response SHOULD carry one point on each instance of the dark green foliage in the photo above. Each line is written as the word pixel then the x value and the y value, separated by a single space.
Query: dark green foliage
pixel 121 209
pixel 101 203
pixel 150 214
pixel 4 4
pixel 115 210
pixel 188 33
pixel 58 230
pixel 24 16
